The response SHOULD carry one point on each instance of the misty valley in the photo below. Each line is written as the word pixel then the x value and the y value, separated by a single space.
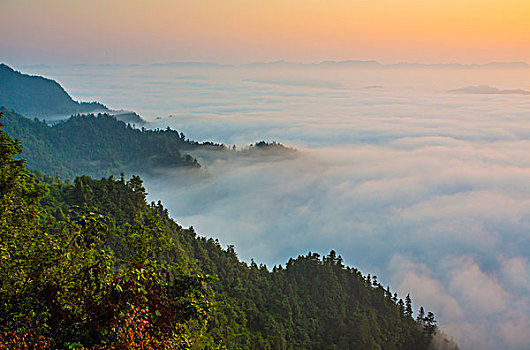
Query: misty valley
pixel 264 206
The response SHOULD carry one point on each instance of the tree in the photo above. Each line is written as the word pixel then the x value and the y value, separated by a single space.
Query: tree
pixel 421 316
pixel 374 281
pixel 401 306
pixel 23 248
pixel 62 286
pixel 429 326
pixel 18 193
pixel 408 306
pixel 332 257
pixel 115 273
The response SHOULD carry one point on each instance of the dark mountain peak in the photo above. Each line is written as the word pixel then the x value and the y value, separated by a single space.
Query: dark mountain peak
pixel 5 67
pixel 39 97
pixel 8 72
pixel 36 96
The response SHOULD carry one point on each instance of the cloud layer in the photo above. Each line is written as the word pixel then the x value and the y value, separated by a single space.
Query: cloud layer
pixel 426 189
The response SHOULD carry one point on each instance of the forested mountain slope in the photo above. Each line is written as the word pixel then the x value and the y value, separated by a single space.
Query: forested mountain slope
pixel 100 145
pixel 95 145
pixel 63 286
pixel 90 264
pixel 312 303
pixel 39 97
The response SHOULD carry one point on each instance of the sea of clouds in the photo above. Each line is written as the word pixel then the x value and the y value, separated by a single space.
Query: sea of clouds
pixel 427 189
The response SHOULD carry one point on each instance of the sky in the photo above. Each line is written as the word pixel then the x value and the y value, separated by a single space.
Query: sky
pixel 419 176
pixel 243 31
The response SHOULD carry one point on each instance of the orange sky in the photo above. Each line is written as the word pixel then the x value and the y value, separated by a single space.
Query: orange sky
pixel 237 31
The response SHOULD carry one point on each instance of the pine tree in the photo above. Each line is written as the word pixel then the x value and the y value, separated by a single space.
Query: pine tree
pixel 429 326
pixel 421 316
pixel 408 306
pixel 401 306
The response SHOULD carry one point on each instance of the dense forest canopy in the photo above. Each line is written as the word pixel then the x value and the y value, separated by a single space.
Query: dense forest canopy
pixel 100 145
pixel 95 145
pixel 91 264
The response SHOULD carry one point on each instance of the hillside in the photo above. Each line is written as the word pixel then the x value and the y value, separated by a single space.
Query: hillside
pixel 314 302
pixel 108 270
pixel 95 145
pixel 100 145
pixel 39 97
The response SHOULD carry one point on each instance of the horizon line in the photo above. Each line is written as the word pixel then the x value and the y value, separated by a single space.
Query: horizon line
pixel 372 63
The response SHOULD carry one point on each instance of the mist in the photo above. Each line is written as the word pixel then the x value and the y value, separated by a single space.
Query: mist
pixel 425 188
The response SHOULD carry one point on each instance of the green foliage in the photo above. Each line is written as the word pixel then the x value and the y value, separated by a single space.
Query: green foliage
pixel 313 303
pixel 96 146
pixel 103 146
pixel 63 286
pixel 90 264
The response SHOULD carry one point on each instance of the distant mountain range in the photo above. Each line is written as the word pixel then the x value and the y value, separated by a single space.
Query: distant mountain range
pixel 326 63
pixel 403 65
pixel 488 90
pixel 39 97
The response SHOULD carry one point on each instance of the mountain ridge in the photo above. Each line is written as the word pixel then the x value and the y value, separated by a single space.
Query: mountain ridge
pixel 323 63
pixel 38 97
pixel 105 263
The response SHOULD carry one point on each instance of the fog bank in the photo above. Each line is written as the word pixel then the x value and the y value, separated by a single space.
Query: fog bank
pixel 423 187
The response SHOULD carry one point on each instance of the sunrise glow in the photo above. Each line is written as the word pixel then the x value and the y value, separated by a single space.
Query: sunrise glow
pixel 237 31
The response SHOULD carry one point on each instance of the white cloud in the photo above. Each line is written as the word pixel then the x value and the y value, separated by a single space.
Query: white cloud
pixel 428 190
pixel 479 291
